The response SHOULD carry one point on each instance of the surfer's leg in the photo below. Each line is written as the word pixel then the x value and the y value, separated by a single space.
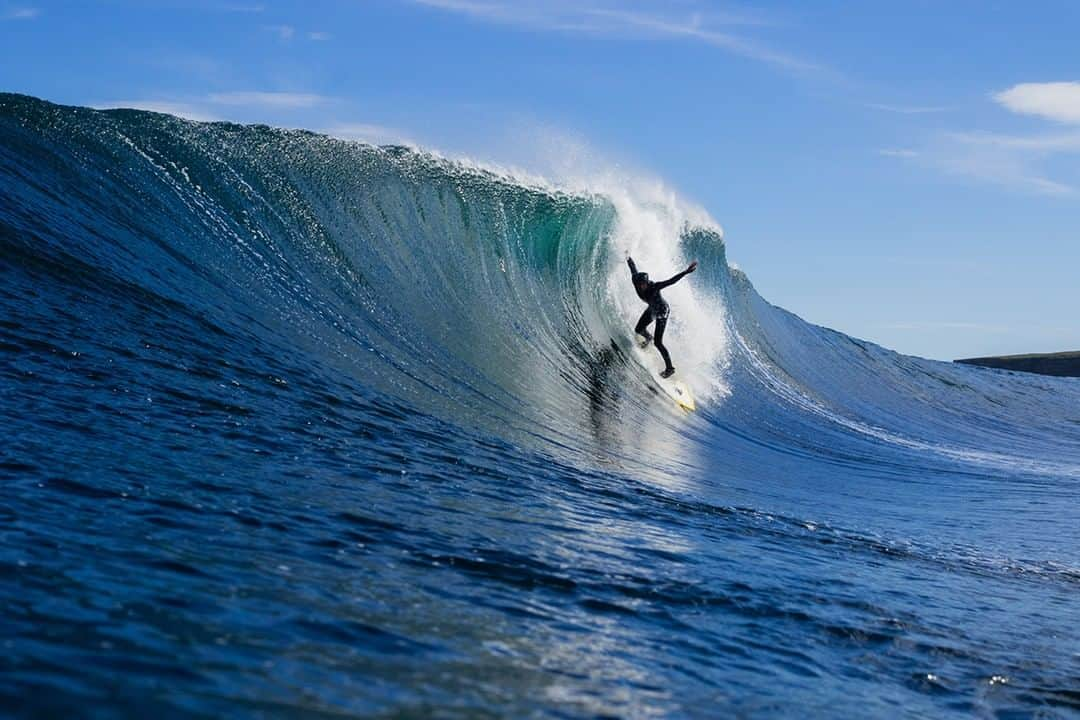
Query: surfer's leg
pixel 658 341
pixel 642 327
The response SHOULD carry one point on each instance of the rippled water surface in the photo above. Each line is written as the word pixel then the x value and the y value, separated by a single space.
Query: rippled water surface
pixel 296 427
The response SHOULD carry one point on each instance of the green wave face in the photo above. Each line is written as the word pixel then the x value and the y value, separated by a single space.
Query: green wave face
pixel 497 303
pixel 501 305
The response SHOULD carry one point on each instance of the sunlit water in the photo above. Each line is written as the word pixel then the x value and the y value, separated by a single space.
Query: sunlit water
pixel 301 427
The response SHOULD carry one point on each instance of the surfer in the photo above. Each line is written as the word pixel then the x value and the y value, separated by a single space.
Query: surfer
pixel 658 309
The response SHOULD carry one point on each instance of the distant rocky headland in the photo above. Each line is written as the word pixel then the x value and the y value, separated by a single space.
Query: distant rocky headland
pixel 1062 364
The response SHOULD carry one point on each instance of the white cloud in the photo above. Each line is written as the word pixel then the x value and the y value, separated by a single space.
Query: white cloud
pixel 276 100
pixel 223 106
pixel 1030 163
pixel 371 134
pixel 601 17
pixel 693 28
pixel 898 152
pixel 284 32
pixel 567 14
pixel 966 264
pixel 1054 143
pixel 21 13
pixel 247 106
pixel 943 325
pixel 1010 162
pixel 180 109
pixel 992 158
pixel 1059 101
pixel 908 109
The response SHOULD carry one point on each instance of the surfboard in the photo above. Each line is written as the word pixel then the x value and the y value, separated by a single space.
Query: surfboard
pixel 679 391
pixel 673 387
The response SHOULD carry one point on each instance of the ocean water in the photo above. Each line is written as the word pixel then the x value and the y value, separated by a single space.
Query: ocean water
pixel 295 427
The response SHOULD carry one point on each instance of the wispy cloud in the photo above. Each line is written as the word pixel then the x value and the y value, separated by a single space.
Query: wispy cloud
pixel 219 106
pixel 180 109
pixel 277 100
pixel 898 152
pixel 19 13
pixel 908 109
pixel 372 134
pixel 996 159
pixel 283 32
pixel 1019 160
pixel 1022 162
pixel 286 33
pixel 943 325
pixel 1058 101
pixel 936 263
pixel 657 20
pixel 264 106
pixel 1045 143
pixel 563 14
pixel 693 28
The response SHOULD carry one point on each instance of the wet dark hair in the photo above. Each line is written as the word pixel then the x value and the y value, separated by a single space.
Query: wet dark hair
pixel 641 278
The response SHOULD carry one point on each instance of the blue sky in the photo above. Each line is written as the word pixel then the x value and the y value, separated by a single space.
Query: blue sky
pixel 905 172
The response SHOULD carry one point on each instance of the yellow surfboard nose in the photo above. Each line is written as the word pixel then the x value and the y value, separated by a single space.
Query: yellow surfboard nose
pixel 682 395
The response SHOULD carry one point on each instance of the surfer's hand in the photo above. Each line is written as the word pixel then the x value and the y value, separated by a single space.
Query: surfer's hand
pixel 692 268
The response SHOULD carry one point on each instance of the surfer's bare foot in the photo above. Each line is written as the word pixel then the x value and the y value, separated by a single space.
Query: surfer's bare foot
pixel 668 373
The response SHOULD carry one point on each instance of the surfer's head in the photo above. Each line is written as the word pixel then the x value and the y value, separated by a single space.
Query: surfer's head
pixel 641 280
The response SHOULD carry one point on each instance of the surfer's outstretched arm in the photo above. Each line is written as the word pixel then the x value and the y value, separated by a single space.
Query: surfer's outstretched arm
pixel 676 278
pixel 633 267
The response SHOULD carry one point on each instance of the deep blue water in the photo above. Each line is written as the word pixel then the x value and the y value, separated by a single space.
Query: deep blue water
pixel 299 427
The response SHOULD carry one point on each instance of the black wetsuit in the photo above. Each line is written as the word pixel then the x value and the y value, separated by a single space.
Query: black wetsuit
pixel 658 309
